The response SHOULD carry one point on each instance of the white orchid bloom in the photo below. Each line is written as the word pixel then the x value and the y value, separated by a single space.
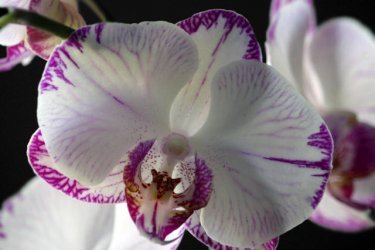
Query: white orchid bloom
pixel 23 42
pixel 333 67
pixel 185 125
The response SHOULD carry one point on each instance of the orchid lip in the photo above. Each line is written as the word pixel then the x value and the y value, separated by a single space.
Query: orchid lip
pixel 163 183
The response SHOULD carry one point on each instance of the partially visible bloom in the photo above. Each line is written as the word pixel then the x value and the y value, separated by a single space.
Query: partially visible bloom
pixel 24 42
pixel 334 67
pixel 40 217
pixel 185 124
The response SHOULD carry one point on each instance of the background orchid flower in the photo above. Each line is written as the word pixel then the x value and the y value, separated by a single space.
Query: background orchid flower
pixel 185 125
pixel 23 42
pixel 333 66
pixel 40 217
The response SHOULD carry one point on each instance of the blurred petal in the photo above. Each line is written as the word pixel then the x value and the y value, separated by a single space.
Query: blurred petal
pixel 195 228
pixel 15 55
pixel 111 190
pixel 41 218
pixel 127 236
pixel 13 34
pixel 286 40
pixel 271 160
pixel 42 43
pixel 364 190
pixel 108 87
pixel 336 215
pixel 221 37
pixel 73 3
pixel 342 58
pixel 277 5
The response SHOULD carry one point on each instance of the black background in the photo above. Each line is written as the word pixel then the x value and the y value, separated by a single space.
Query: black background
pixel 18 94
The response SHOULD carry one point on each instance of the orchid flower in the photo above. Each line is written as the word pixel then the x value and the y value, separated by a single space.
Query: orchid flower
pixel 40 217
pixel 185 124
pixel 333 67
pixel 24 42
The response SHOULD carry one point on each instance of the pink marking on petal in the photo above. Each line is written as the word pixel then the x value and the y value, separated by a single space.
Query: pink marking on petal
pixel 209 19
pixel 41 163
pixel 15 55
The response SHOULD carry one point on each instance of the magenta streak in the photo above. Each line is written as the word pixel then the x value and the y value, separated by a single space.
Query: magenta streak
pixel 153 221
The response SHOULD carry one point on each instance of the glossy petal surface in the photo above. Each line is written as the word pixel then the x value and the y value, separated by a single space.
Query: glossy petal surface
pixel 271 160
pixel 335 215
pixel 194 226
pixel 286 37
pixel 40 217
pixel 111 190
pixel 108 87
pixel 15 55
pixel 342 55
pixel 221 37
pixel 42 43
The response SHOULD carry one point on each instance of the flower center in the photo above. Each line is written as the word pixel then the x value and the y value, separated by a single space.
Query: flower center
pixel 165 183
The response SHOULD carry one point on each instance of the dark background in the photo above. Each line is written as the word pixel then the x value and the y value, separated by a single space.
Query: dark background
pixel 19 93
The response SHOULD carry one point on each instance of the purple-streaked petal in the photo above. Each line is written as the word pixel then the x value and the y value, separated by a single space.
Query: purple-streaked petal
pixel 15 55
pixel 39 217
pixel 342 62
pixel 162 193
pixel 222 37
pixel 271 160
pixel 132 239
pixel 111 190
pixel 335 215
pixel 286 37
pixel 108 87
pixel 42 43
pixel 194 227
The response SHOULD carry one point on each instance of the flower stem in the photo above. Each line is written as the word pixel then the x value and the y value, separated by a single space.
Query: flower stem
pixel 35 20
pixel 98 10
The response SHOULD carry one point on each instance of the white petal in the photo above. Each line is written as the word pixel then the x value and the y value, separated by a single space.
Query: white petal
pixel 270 153
pixel 342 57
pixel 338 216
pixel 108 87
pixel 40 217
pixel 195 228
pixel 277 5
pixel 286 39
pixel 222 37
pixel 111 190
pixel 12 34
